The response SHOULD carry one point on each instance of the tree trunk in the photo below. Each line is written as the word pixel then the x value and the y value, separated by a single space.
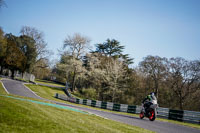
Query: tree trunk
pixel 1 72
pixel 12 75
pixel 113 96
pixel 156 88
pixel 22 75
pixel 73 81
pixel 181 103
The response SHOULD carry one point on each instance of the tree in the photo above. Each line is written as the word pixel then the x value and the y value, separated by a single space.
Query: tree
pixel 95 74
pixel 77 46
pixel 40 44
pixel 106 75
pixel 112 48
pixel 41 70
pixel 114 76
pixel 3 44
pixel 72 68
pixel 42 53
pixel 15 58
pixel 155 69
pixel 28 47
pixel 184 78
pixel 102 65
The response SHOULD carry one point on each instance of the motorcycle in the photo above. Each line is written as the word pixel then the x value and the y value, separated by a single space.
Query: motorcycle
pixel 151 111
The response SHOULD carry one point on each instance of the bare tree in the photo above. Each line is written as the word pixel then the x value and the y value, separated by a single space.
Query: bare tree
pixel 43 53
pixel 155 69
pixel 114 74
pixel 41 45
pixel 77 46
pixel 184 78
pixel 72 67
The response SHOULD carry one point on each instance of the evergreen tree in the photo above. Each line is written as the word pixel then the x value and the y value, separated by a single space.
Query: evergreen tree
pixel 112 48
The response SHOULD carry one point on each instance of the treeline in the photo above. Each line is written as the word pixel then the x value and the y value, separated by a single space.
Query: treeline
pixel 104 74
pixel 25 53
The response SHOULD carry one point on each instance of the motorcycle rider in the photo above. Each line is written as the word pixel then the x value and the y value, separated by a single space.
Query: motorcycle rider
pixel 146 103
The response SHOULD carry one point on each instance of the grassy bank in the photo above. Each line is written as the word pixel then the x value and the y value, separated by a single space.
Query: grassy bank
pixel 48 92
pixel 23 116
pixel 2 91
pixel 45 92
pixel 49 83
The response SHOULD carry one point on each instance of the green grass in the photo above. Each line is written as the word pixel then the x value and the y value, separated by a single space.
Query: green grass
pixel 45 92
pixel 181 123
pixel 48 82
pixel 23 116
pixel 49 93
pixel 21 79
pixel 2 91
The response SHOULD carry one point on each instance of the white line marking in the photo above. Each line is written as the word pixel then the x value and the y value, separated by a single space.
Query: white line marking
pixel 4 87
pixel 96 115
pixel 101 116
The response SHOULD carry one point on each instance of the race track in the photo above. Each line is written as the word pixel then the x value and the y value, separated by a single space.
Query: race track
pixel 17 88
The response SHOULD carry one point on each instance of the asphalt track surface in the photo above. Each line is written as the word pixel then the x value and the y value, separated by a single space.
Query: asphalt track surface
pixel 17 88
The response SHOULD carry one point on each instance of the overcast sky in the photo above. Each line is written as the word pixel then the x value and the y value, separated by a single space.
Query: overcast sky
pixel 167 28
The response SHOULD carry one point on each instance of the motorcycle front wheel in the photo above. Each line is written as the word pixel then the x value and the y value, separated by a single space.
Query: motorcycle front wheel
pixel 152 117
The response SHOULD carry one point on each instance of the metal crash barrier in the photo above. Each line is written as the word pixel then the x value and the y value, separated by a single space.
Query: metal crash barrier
pixel 171 114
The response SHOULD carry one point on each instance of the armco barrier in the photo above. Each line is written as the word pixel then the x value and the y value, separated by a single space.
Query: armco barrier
pixel 180 115
pixel 116 107
pixel 191 116
pixel 104 105
pixel 93 104
pixel 176 114
pixel 89 102
pixel 109 105
pixel 77 100
pixel 84 101
pixel 98 104
pixel 163 112
pixel 131 109
pixel 123 108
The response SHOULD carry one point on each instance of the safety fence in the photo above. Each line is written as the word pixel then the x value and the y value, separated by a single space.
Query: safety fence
pixel 179 115
pixel 18 75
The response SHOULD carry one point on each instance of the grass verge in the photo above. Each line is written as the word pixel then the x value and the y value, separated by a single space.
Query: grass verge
pixel 48 83
pixel 23 116
pixel 2 91
pixel 45 92
pixel 21 79
pixel 49 93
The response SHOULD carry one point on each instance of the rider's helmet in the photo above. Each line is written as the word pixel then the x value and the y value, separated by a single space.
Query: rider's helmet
pixel 152 94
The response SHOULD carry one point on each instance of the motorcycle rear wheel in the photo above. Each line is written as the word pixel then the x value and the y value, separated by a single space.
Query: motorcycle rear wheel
pixel 141 115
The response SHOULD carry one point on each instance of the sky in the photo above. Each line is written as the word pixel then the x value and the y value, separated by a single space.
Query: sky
pixel 167 28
